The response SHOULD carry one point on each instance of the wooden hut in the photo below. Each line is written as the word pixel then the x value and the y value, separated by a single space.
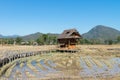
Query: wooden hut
pixel 69 38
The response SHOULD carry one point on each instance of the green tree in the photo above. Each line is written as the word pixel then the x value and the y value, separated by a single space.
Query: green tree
pixel 110 42
pixel 40 41
pixel 45 38
pixel 18 40
pixel 118 39
pixel 84 41
pixel 10 41
pixel 31 42
pixel 52 40
pixel 106 42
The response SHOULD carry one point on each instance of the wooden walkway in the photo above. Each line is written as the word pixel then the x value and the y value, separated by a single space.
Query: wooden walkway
pixel 11 58
pixel 66 50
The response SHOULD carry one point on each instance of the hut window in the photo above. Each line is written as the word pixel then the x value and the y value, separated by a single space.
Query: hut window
pixel 67 32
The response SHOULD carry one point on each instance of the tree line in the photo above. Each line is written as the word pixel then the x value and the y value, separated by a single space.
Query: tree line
pixel 98 41
pixel 46 39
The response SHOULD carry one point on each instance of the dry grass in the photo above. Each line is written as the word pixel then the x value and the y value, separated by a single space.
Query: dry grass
pixel 103 50
pixel 100 50
pixel 67 64
pixel 9 70
pixel 10 50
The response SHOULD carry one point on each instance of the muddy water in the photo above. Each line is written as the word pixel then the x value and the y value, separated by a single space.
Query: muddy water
pixel 96 71
pixel 116 68
pixel 51 63
pixel 22 71
pixel 40 72
pixel 49 69
pixel 86 70
pixel 13 73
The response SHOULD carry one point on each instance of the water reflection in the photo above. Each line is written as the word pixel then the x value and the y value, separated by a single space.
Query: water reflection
pixel 96 71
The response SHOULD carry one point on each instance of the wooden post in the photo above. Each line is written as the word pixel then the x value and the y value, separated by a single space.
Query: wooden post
pixel 68 44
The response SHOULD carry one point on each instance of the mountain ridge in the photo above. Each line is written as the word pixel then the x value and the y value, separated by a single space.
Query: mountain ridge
pixel 102 33
pixel 36 35
pixel 99 32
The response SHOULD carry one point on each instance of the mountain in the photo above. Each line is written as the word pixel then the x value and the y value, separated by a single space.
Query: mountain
pixel 1 36
pixel 35 36
pixel 99 32
pixel 29 37
pixel 102 33
pixel 10 36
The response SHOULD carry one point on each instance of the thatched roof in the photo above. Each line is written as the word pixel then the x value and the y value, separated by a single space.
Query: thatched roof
pixel 70 33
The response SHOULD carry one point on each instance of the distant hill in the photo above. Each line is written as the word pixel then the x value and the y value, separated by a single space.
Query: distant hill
pixel 29 37
pixel 35 36
pixel 11 36
pixel 102 33
pixel 1 36
pixel 99 32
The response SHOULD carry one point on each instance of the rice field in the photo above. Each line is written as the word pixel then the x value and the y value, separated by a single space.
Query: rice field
pixel 66 66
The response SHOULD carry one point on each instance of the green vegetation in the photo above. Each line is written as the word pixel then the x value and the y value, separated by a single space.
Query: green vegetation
pixel 91 41
pixel 18 40
pixel 97 35
pixel 6 41
pixel 96 41
pixel 118 39
pixel 35 36
pixel 46 39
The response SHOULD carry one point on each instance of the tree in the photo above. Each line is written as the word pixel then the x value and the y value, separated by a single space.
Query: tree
pixel 31 42
pixel 84 41
pixel 45 38
pixel 11 41
pixel 52 40
pixel 106 42
pixel 40 41
pixel 110 42
pixel 18 40
pixel 118 39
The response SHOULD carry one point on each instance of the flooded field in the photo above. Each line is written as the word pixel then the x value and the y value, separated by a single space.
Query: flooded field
pixel 90 63
pixel 68 67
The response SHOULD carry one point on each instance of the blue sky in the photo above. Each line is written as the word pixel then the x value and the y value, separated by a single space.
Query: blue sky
pixel 24 17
